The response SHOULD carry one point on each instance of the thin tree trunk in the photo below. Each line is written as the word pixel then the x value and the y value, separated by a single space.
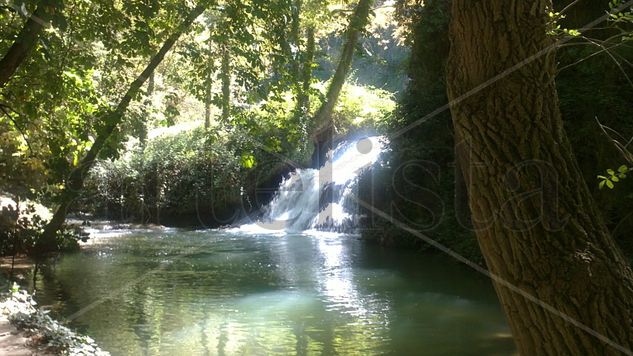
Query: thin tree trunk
pixel 150 84
pixel 537 225
pixel 208 83
pixel 303 96
pixel 323 119
pixel 148 102
pixel 295 29
pixel 296 61
pixel 207 104
pixel 27 39
pixel 143 142
pixel 226 84
pixel 75 181
pixel 16 237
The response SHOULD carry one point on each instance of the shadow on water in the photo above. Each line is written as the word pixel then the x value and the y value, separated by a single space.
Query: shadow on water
pixel 223 293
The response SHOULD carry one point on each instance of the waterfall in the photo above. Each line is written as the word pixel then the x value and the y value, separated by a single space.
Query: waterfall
pixel 316 199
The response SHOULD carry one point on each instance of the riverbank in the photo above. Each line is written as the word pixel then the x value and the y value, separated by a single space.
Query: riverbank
pixel 28 330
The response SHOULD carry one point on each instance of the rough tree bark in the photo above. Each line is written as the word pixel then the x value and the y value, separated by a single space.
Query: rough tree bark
pixel 323 131
pixel 26 40
pixel 112 119
pixel 535 220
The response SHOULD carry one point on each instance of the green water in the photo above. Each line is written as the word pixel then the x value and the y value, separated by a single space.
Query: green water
pixel 221 293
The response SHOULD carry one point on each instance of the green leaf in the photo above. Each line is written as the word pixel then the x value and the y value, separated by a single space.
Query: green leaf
pixel 623 169
pixel 609 184
pixel 601 185
pixel 572 32
pixel 610 171
pixel 248 160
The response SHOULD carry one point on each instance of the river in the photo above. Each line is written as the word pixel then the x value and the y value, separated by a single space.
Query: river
pixel 223 292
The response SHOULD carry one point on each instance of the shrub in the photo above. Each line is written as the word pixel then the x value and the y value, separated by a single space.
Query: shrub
pixel 176 173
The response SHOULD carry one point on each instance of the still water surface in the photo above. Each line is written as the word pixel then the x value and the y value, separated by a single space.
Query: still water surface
pixel 175 292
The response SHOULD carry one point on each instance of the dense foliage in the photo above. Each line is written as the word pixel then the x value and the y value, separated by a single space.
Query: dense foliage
pixel 194 177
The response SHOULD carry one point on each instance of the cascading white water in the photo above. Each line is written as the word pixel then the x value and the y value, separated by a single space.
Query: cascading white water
pixel 298 204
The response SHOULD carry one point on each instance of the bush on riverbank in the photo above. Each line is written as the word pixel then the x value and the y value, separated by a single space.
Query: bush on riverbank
pixel 172 175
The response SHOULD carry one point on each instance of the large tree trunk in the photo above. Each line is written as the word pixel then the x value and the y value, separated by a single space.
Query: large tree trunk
pixel 26 40
pixel 564 285
pixel 462 212
pixel 323 130
pixel 75 181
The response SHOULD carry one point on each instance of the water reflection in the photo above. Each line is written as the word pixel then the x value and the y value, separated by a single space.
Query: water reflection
pixel 295 294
